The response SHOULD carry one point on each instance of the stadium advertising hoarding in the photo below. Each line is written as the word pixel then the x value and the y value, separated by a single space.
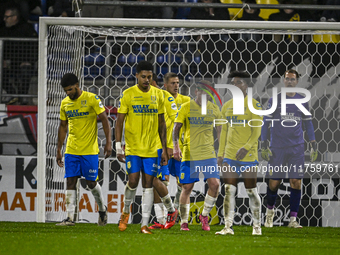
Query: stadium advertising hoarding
pixel 18 194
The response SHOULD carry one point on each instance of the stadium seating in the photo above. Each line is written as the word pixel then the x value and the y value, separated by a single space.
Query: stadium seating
pixel 36 27
pixel 94 65
pixel 326 38
pixel 44 7
pixel 169 60
pixel 265 13
pixel 126 67
pixel 233 11
pixel 183 13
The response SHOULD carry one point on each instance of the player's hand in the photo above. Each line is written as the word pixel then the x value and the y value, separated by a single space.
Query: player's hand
pixel 313 152
pixel 121 158
pixel 241 153
pixel 59 159
pixel 177 154
pixel 220 161
pixel 107 150
pixel 170 152
pixel 266 154
pixel 164 158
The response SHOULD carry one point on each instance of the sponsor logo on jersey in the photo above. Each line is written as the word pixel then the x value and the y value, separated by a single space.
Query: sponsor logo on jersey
pixel 171 99
pixel 143 109
pixel 199 121
pixel 76 113
pixel 173 106
pixel 235 119
pixel 290 117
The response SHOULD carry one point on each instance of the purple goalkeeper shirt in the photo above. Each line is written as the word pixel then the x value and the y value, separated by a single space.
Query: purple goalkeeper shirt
pixel 291 132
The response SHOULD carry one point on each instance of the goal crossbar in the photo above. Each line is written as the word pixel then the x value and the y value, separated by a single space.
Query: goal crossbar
pixel 317 27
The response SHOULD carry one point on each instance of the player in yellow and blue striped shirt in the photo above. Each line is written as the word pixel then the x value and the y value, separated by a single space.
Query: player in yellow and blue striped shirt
pixel 198 152
pixel 172 100
pixel 78 115
pixel 142 109
pixel 238 152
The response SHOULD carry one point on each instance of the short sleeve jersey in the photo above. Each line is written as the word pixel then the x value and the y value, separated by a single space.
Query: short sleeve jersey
pixel 288 131
pixel 141 120
pixel 81 115
pixel 240 129
pixel 198 130
pixel 169 116
pixel 180 99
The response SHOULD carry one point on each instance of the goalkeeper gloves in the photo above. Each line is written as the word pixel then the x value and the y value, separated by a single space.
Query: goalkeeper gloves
pixel 266 153
pixel 313 152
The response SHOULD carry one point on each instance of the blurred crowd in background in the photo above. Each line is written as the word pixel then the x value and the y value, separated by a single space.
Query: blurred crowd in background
pixel 21 17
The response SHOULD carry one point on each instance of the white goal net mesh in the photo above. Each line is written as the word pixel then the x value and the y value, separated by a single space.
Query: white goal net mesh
pixel 105 59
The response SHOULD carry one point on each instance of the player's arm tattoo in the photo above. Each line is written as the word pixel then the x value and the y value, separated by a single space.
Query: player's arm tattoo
pixel 175 133
pixel 162 129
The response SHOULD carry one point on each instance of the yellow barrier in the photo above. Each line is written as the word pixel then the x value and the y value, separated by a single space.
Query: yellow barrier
pixel 326 38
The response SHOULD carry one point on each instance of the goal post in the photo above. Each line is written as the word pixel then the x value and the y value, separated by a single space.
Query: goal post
pixel 104 53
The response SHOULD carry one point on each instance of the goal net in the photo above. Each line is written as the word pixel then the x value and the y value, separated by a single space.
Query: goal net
pixel 104 54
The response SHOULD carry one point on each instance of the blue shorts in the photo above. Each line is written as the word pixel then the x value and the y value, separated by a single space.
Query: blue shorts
pixel 86 166
pixel 174 167
pixel 240 166
pixel 136 164
pixel 289 161
pixel 190 170
pixel 162 171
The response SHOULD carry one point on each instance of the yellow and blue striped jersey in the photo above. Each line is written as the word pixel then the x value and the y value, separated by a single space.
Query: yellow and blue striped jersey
pixel 141 120
pixel 198 130
pixel 169 116
pixel 81 115
pixel 180 99
pixel 238 133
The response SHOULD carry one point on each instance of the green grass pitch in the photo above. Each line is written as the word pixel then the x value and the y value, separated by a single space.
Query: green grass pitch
pixel 46 238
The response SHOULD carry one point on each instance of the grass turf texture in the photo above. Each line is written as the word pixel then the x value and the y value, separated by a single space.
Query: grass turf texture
pixel 46 238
